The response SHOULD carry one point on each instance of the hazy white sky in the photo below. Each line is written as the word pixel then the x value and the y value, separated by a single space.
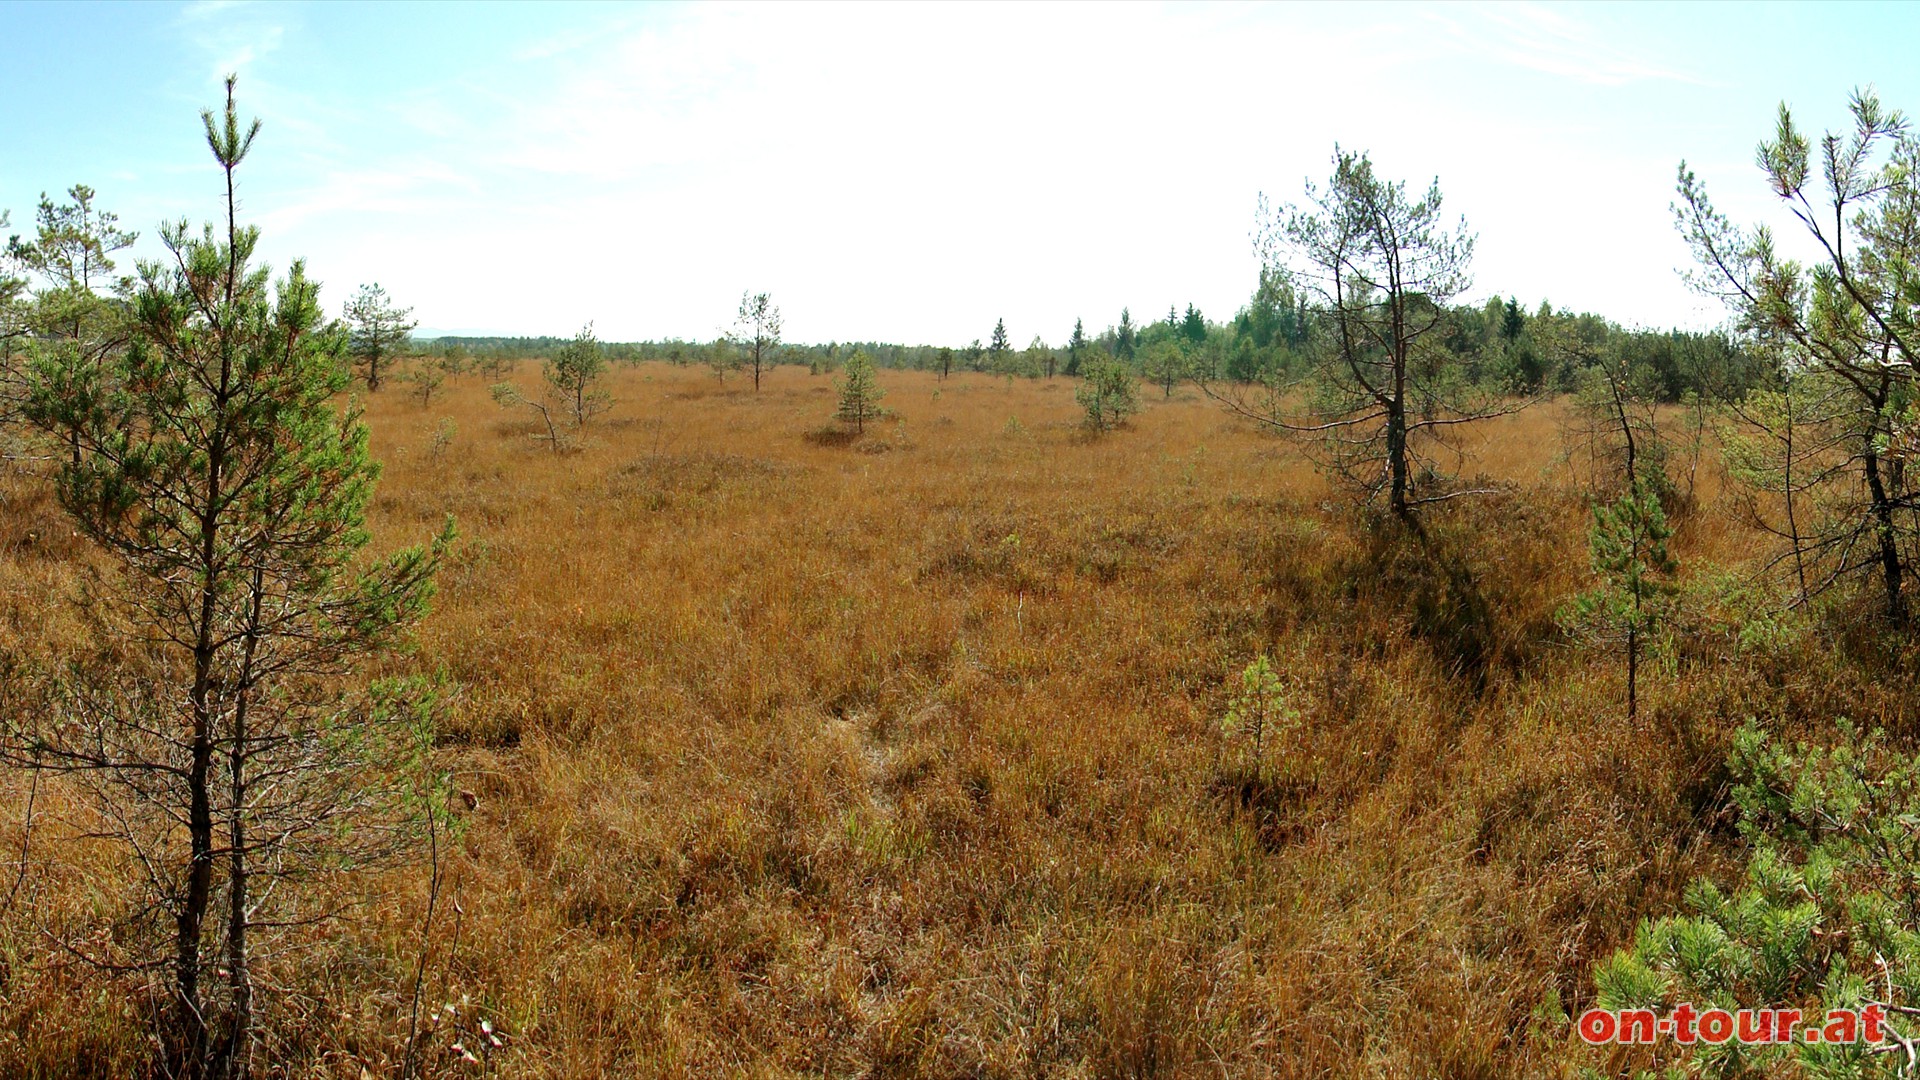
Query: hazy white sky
pixel 913 172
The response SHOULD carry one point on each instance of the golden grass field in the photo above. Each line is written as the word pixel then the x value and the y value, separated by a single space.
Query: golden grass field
pixel 800 756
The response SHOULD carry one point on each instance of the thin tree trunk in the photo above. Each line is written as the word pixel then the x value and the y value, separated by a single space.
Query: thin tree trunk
pixel 1793 524
pixel 1633 668
pixel 233 1061
pixel 1890 569
pixel 1397 456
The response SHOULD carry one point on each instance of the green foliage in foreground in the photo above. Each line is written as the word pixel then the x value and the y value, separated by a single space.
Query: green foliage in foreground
pixel 1828 915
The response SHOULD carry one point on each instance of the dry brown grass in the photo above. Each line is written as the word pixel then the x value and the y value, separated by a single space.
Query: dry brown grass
pixel 899 756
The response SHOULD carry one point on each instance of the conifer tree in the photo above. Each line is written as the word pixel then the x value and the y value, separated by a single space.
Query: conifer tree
pixel 572 396
pixel 1383 268
pixel 998 348
pixel 1123 338
pixel 722 357
pixel 1076 347
pixel 1193 328
pixel 756 332
pixel 378 333
pixel 860 391
pixel 218 472
pixel 78 314
pixel 573 374
pixel 1845 330
pixel 1630 534
pixel 1631 557
pixel 1512 319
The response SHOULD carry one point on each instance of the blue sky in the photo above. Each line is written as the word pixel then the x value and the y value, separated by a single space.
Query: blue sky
pixel 914 172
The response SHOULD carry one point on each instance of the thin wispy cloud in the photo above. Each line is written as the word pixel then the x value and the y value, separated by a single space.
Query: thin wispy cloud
pixel 235 35
pixel 1553 42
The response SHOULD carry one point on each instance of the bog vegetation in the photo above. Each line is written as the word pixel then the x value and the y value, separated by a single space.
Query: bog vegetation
pixel 1392 680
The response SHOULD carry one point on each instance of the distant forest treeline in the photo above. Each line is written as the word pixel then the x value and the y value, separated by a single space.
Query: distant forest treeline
pixel 1501 344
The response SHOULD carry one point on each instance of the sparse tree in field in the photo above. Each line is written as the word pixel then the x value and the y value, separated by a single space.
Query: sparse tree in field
pixel 494 364
pixel 573 375
pixel 860 392
pixel 1629 539
pixel 429 372
pixel 1260 706
pixel 756 331
pixel 722 357
pixel 377 333
pixel 572 396
pixel 946 363
pixel 1382 270
pixel 1108 394
pixel 221 748
pixel 1165 364
pixel 1635 567
pixel 1845 331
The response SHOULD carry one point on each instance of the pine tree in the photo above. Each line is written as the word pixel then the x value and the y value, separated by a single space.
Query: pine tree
pixel 378 332
pixel 78 316
pixel 573 374
pixel 1629 538
pixel 1076 347
pixel 722 356
pixel 1843 326
pixel 756 331
pixel 1631 557
pixel 860 391
pixel 218 472
pixel 1383 269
